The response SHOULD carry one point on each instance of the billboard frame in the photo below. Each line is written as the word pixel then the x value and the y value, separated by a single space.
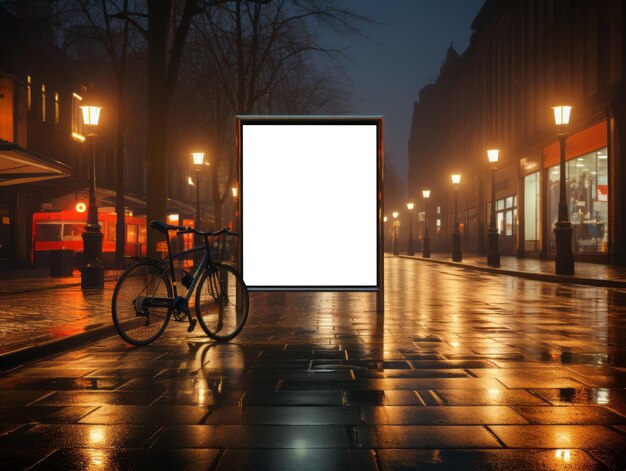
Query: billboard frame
pixel 378 121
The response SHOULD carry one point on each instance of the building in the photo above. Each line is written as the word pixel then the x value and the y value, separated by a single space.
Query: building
pixel 524 57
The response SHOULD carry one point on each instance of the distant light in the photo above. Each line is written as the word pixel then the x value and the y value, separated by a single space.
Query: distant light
pixel 172 217
pixel 385 219
pixel 235 191
pixel 81 207
pixel 190 181
pixel 395 214
pixel 426 193
pixel 492 155
pixel 456 179
pixel 410 206
pixel 562 115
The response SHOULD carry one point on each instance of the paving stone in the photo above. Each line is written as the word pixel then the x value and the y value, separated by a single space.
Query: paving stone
pixel 559 436
pixel 300 459
pixel 487 460
pixel 570 415
pixel 416 436
pixel 447 415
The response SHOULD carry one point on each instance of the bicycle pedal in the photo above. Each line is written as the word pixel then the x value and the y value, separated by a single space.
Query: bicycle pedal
pixel 192 325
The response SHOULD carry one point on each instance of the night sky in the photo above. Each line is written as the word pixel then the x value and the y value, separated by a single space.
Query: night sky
pixel 401 56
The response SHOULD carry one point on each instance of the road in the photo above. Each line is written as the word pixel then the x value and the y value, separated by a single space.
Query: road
pixel 464 369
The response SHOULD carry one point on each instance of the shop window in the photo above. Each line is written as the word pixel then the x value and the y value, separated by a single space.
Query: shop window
pixel 506 215
pixel 532 212
pixel 587 197
pixel 49 232
pixel 142 235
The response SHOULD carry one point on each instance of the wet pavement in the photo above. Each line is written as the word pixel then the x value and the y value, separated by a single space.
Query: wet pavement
pixel 465 369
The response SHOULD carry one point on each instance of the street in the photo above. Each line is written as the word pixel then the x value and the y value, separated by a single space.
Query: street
pixel 465 369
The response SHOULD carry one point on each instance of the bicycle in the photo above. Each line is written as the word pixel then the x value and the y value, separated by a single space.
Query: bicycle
pixel 145 295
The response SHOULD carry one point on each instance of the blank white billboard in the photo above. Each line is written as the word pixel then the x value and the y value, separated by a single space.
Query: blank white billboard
pixel 310 203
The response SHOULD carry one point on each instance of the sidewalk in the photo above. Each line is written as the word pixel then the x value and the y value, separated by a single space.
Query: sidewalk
pixel 43 315
pixel 590 274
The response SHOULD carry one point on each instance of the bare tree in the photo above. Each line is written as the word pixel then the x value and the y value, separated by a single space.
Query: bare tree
pixel 251 57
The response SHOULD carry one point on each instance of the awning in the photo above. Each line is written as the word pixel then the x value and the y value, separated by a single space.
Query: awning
pixel 19 165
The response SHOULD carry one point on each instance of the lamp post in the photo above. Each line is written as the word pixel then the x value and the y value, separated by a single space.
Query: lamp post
pixel 198 161
pixel 395 232
pixel 493 254
pixel 426 248
pixel 457 256
pixel 410 250
pixel 92 273
pixel 563 229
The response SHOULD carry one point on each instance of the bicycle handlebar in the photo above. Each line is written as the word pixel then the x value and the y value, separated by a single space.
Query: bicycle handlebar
pixel 163 228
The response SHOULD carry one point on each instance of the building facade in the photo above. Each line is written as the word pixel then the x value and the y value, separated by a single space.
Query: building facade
pixel 524 57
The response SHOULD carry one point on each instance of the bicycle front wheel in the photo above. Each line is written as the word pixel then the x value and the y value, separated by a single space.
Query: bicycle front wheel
pixel 136 323
pixel 221 302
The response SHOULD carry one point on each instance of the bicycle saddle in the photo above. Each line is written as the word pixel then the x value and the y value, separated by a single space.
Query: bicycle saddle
pixel 163 227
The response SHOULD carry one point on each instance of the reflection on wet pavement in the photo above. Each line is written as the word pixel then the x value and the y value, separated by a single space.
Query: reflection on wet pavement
pixel 463 370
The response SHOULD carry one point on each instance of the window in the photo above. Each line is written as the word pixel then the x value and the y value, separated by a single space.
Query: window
pixel 131 233
pixel 48 232
pixel 587 197
pixel 29 93
pixel 532 212
pixel 109 233
pixel 43 102
pixel 142 235
pixel 78 128
pixel 73 231
pixel 56 109
pixel 506 215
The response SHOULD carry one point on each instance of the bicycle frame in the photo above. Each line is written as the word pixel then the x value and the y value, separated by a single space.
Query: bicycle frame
pixel 207 260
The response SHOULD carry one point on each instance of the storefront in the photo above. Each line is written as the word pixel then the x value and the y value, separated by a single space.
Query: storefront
pixel 587 190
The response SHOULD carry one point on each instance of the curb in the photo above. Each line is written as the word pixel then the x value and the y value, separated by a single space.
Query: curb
pixel 50 348
pixel 528 275
pixel 51 287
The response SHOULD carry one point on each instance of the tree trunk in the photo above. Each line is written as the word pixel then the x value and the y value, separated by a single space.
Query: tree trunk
pixel 158 22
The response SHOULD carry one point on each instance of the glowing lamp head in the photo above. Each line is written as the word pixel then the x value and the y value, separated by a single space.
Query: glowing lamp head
pixel 562 115
pixel 426 194
pixel 385 219
pixel 395 214
pixel 410 206
pixel 198 158
pixel 456 179
pixel 235 191
pixel 81 207
pixel 190 181
pixel 492 155
pixel 91 115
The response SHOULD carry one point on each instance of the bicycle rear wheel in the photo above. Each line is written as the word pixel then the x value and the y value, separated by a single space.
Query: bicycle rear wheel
pixel 136 324
pixel 221 302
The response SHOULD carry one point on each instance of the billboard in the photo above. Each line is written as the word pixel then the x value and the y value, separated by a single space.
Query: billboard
pixel 311 202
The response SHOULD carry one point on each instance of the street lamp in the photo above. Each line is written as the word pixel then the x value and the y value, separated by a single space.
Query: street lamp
pixel 385 238
pixel 410 250
pixel 92 273
pixel 563 229
pixel 456 235
pixel 395 232
pixel 493 254
pixel 426 248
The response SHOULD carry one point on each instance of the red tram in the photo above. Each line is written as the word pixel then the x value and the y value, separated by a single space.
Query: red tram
pixel 62 230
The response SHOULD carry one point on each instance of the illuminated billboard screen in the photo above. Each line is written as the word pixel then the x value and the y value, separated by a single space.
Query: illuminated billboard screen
pixel 311 202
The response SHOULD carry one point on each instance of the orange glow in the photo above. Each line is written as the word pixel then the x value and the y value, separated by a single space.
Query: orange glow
pixel 426 194
pixel 198 158
pixel 456 179
pixel 81 207
pixel 395 214
pixel 410 206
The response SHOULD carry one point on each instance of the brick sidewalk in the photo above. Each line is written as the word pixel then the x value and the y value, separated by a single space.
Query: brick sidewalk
pixel 465 371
